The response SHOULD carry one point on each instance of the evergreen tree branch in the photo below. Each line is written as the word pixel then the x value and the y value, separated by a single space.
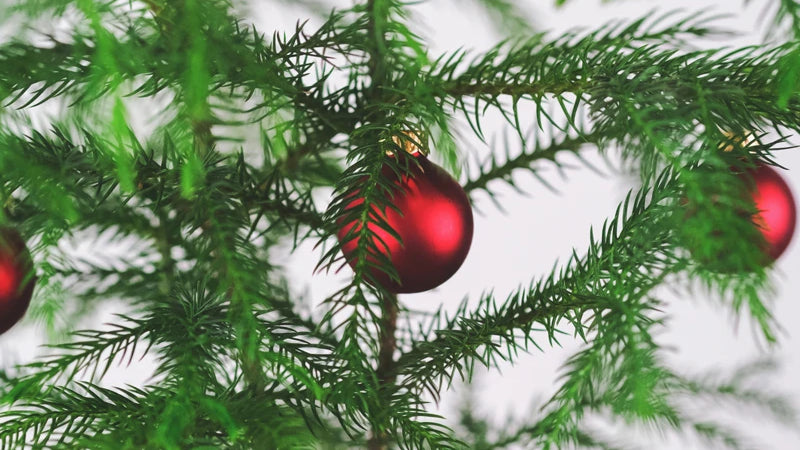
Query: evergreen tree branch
pixel 524 161
pixel 193 339
pixel 198 110
pixel 622 77
pixel 391 417
pixel 622 107
pixel 91 416
pixel 377 12
pixel 84 356
pixel 537 66
pixel 787 13
pixel 95 193
pixel 64 72
pixel 575 295
pixel 385 369
pixel 740 388
pixel 585 439
pixel 64 414
pixel 686 392
pixel 235 358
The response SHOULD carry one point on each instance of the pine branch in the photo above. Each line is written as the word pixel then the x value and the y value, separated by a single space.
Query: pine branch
pixel 391 417
pixel 533 68
pixel 787 13
pixel 377 15
pixel 84 356
pixel 95 189
pixel 65 414
pixel 95 417
pixel 629 82
pixel 229 68
pixel 576 295
pixel 584 439
pixel 743 387
pixel 686 392
pixel 494 330
pixel 197 339
pixel 524 161
pixel 385 369
pixel 237 365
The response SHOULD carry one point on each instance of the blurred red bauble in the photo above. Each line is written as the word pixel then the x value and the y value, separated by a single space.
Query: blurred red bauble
pixel 431 213
pixel 777 214
pixel 16 278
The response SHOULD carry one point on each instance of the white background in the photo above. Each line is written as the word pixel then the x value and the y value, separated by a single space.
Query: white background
pixel 510 249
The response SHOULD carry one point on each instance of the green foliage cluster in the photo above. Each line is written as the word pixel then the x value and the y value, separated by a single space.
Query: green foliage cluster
pixel 239 363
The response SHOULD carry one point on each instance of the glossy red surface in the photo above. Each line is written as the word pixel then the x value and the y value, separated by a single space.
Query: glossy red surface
pixel 433 217
pixel 8 279
pixel 16 278
pixel 777 217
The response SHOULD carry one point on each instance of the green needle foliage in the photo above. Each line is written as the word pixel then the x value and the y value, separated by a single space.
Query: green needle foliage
pixel 244 127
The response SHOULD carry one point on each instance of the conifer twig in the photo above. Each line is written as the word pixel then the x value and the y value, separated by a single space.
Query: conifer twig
pixel 385 371
pixel 238 365
pixel 203 142
pixel 514 89
pixel 526 159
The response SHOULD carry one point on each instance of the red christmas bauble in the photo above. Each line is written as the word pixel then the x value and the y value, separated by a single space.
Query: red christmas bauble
pixel 16 278
pixel 431 213
pixel 777 211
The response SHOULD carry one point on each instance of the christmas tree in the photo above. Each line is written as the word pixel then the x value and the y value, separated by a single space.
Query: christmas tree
pixel 191 146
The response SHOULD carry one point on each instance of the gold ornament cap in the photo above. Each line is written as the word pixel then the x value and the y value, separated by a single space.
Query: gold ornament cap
pixel 412 141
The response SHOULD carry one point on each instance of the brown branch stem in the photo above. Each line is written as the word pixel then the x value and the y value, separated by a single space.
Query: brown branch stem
pixel 494 89
pixel 525 160
pixel 386 371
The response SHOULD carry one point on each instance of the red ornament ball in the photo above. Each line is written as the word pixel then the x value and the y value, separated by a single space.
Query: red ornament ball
pixel 777 214
pixel 431 213
pixel 16 278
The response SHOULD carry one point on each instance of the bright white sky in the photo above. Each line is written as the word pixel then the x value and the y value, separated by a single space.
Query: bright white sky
pixel 510 249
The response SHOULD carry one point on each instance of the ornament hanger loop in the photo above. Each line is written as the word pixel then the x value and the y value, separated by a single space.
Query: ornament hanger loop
pixel 412 141
pixel 742 140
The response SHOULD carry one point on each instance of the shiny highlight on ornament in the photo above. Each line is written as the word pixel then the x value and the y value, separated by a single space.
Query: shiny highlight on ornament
pixel 16 278
pixel 8 279
pixel 777 211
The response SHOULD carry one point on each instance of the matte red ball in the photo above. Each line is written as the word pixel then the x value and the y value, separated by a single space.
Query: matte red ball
pixel 777 216
pixel 433 217
pixel 16 278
